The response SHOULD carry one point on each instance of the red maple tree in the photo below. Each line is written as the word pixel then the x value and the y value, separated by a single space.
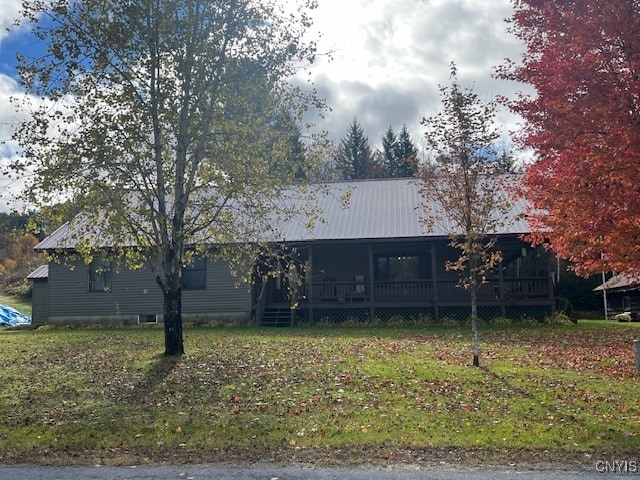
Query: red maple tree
pixel 583 60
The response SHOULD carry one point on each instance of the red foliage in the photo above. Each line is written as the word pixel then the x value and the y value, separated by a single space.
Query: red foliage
pixel 583 59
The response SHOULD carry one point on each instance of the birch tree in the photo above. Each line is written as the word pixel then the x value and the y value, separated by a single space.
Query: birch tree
pixel 462 177
pixel 165 122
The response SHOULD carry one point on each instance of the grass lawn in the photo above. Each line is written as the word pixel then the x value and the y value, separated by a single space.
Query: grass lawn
pixel 319 395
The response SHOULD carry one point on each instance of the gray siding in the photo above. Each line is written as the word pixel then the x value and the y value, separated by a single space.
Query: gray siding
pixel 40 302
pixel 135 292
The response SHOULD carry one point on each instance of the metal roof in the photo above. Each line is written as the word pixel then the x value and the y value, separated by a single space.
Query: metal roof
pixel 384 209
pixel 42 272
pixel 620 282
pixel 352 210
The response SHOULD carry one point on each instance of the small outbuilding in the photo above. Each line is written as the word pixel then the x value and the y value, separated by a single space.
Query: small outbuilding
pixel 40 294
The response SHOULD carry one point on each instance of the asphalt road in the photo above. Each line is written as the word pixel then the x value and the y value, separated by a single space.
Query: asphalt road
pixel 279 473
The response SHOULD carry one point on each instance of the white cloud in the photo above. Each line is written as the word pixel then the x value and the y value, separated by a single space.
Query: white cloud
pixel 10 186
pixel 391 55
pixel 388 58
pixel 9 11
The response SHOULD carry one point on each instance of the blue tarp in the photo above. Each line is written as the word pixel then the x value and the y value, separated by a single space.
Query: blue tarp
pixel 10 317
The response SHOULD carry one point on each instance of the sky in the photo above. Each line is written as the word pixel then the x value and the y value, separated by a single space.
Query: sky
pixel 388 58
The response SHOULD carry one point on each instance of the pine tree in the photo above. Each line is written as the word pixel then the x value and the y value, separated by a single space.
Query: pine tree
pixel 355 160
pixel 399 154
pixel 389 150
pixel 406 155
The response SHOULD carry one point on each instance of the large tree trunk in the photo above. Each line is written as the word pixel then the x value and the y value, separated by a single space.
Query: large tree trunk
pixel 172 291
pixel 474 327
pixel 173 344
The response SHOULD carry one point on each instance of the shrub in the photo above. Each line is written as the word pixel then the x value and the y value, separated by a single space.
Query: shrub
pixel 396 321
pixel 449 322
pixel 502 321
pixel 422 321
pixel 479 322
pixel 529 322
pixel 22 291
pixel 557 318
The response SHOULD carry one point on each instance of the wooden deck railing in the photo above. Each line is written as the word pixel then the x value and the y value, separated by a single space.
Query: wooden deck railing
pixel 511 289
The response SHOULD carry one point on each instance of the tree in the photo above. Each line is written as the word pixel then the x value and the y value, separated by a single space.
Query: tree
pixel 17 239
pixel 406 155
pixel 461 187
pixel 389 149
pixel 355 159
pixel 399 154
pixel 583 60
pixel 166 123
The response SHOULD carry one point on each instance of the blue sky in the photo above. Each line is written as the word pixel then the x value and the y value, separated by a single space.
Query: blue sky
pixel 389 56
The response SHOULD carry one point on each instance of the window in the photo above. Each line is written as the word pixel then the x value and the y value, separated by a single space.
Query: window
pixel 626 303
pixel 194 275
pixel 399 268
pixel 99 274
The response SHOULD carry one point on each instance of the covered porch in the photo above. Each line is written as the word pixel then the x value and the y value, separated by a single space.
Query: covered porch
pixel 381 279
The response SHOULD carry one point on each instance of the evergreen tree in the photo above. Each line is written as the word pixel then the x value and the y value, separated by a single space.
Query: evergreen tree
pixel 355 160
pixel 296 158
pixel 399 154
pixel 389 151
pixel 406 155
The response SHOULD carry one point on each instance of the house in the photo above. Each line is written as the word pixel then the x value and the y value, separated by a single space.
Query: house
pixel 623 295
pixel 370 256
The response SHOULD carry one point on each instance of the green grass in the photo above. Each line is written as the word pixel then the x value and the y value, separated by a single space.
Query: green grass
pixel 23 306
pixel 92 395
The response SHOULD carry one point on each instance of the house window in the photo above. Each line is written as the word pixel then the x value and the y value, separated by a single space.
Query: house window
pixel 398 268
pixel 99 276
pixel 626 303
pixel 194 275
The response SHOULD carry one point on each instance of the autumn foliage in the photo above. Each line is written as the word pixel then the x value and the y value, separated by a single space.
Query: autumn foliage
pixel 17 256
pixel 583 60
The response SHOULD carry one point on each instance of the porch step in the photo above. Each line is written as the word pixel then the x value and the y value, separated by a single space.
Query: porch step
pixel 276 317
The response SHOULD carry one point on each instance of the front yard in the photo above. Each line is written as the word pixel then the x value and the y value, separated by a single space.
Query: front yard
pixel 320 395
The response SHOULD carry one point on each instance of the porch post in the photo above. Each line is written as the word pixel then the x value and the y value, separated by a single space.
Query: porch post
pixel 309 275
pixel 434 275
pixel 503 309
pixel 372 309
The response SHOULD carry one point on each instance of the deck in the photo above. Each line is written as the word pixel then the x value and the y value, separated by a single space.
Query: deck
pixel 496 297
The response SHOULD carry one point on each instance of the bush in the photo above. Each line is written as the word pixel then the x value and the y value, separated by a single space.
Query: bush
pixel 502 321
pixel 397 321
pixel 479 322
pixel 557 318
pixel 22 291
pixel 449 322
pixel 422 321
pixel 530 322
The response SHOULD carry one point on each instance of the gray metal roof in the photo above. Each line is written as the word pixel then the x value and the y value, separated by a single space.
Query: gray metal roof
pixel 42 272
pixel 384 209
pixel 354 210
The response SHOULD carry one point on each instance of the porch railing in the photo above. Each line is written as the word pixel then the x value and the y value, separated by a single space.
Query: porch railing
pixel 510 289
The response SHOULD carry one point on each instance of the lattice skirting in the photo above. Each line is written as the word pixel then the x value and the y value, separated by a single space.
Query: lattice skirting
pixel 340 315
pixel 409 314
pixel 518 313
